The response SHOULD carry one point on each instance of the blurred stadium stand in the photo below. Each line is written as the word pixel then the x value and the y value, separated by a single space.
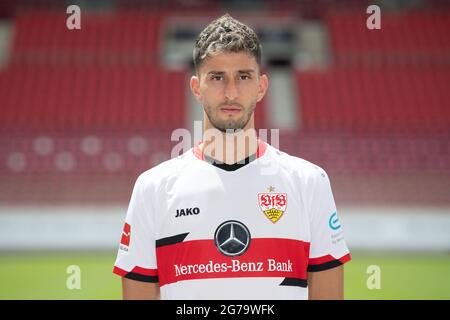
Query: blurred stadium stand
pixel 83 112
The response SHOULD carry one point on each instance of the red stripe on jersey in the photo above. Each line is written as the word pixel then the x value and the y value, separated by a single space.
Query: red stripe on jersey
pixel 137 270
pixel 328 258
pixel 197 151
pixel 200 259
pixel 126 233
pixel 119 271
pixel 145 272
pixel 345 258
pixel 323 259
pixel 262 146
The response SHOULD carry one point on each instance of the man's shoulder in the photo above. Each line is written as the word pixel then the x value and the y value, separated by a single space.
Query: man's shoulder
pixel 303 167
pixel 165 169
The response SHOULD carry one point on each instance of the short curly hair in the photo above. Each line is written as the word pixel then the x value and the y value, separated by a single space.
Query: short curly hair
pixel 226 34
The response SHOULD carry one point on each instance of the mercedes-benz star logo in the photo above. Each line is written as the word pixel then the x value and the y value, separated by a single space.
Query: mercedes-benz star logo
pixel 232 238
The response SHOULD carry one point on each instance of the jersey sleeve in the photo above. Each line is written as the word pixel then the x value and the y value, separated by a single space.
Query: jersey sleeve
pixel 136 258
pixel 328 248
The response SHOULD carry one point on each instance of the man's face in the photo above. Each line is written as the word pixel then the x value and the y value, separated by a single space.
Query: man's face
pixel 229 86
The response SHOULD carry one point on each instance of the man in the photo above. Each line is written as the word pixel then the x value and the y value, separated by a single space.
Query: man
pixel 232 218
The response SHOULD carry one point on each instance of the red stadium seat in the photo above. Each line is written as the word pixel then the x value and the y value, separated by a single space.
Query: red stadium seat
pixel 129 38
pixel 93 98
pixel 369 99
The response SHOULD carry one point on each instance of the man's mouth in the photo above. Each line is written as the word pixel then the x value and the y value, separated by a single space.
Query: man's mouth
pixel 230 109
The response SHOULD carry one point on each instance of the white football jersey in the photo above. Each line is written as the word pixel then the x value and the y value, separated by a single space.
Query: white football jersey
pixel 253 231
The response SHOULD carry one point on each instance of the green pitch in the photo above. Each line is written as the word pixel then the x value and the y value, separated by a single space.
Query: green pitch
pixel 44 276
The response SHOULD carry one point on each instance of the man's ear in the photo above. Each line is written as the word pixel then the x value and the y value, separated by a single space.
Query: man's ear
pixel 263 86
pixel 195 87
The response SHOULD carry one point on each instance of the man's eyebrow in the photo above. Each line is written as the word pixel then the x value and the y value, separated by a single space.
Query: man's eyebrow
pixel 247 71
pixel 239 71
pixel 216 72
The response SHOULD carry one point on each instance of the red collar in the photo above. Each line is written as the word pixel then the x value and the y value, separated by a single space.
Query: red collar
pixel 262 146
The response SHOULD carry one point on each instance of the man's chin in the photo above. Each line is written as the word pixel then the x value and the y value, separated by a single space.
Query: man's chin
pixel 228 127
pixel 229 130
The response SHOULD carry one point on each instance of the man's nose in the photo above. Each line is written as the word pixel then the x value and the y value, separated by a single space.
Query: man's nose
pixel 231 91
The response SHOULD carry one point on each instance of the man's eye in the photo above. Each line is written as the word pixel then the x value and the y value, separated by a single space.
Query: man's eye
pixel 244 77
pixel 216 78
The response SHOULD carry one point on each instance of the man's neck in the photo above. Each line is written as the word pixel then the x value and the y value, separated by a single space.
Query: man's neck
pixel 229 148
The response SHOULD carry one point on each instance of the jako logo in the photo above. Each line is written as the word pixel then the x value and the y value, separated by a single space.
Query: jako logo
pixel 333 222
pixel 187 212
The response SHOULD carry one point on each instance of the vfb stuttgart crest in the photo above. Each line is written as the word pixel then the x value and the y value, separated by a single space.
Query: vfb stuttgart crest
pixel 273 204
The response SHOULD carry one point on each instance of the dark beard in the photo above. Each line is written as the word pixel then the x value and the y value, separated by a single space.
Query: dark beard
pixel 224 128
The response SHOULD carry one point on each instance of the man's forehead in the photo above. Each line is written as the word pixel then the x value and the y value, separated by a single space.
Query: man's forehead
pixel 229 62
